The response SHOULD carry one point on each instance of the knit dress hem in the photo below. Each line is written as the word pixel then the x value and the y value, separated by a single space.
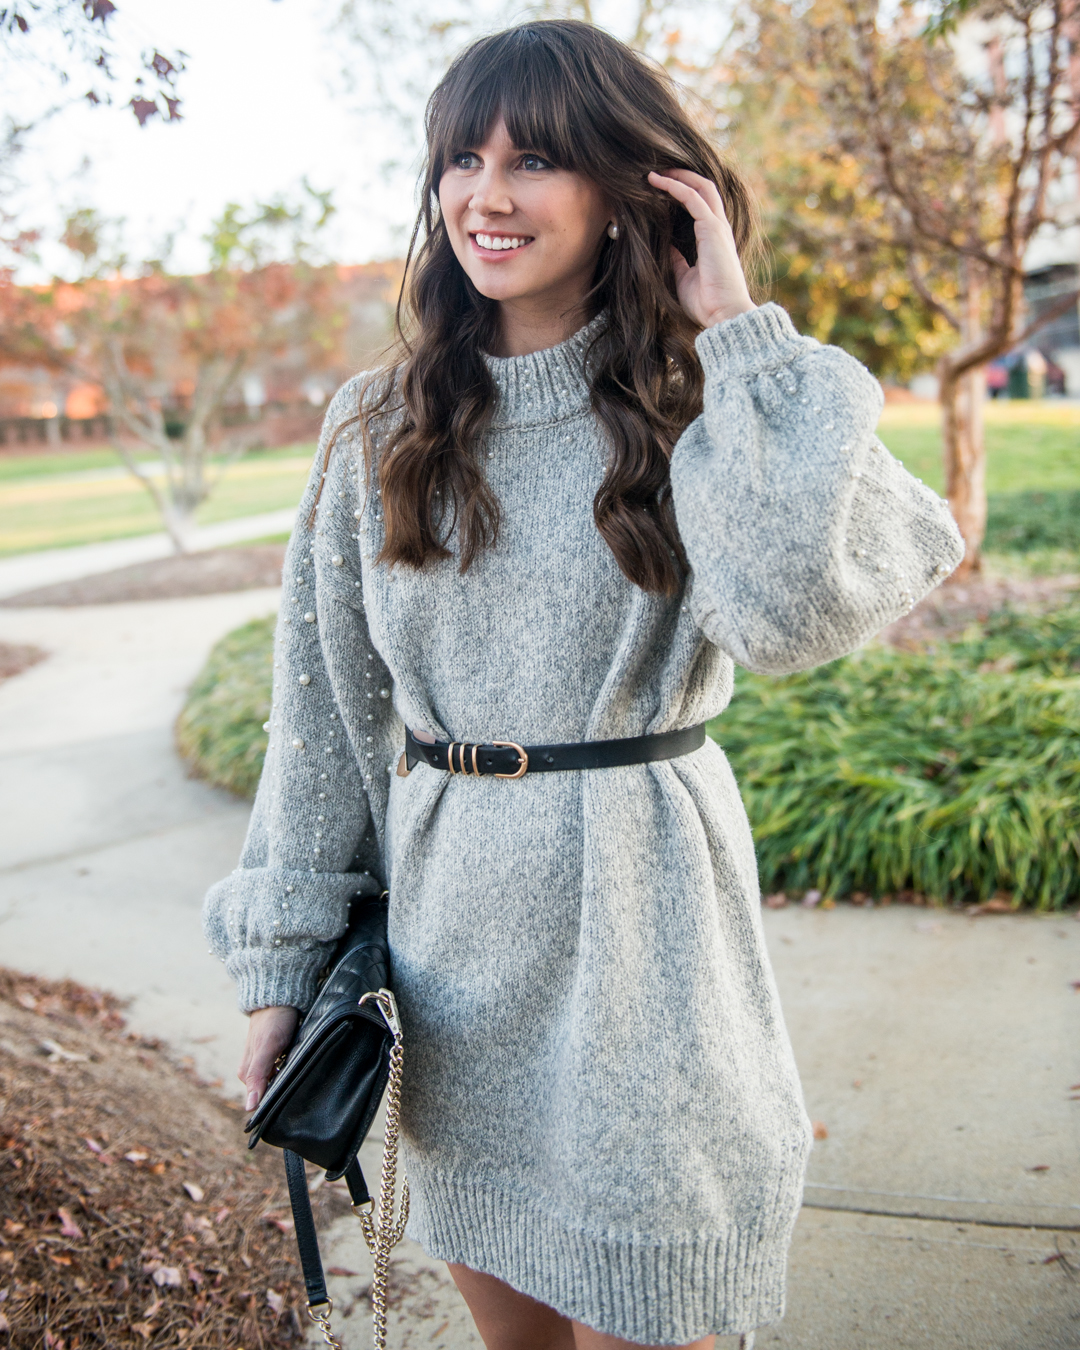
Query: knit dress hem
pixel 649 1290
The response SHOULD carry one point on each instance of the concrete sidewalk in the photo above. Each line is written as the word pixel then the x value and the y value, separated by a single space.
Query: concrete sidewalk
pixel 106 845
pixel 938 1050
pixel 27 571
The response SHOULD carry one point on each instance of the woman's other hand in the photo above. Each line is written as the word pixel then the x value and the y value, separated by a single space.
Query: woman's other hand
pixel 715 288
pixel 270 1033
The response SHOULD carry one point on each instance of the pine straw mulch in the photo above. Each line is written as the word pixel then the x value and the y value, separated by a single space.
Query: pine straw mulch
pixel 947 611
pixel 210 572
pixel 131 1212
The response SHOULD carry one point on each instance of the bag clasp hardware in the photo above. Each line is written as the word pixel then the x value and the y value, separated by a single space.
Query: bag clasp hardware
pixel 387 1005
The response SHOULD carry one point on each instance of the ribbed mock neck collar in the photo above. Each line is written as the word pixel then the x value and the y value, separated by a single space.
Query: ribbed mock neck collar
pixel 543 386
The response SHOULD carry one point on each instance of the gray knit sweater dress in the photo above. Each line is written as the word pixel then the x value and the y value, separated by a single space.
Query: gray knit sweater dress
pixel 600 1102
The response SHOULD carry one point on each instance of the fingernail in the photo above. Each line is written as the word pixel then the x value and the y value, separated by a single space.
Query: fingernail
pixel 252 1100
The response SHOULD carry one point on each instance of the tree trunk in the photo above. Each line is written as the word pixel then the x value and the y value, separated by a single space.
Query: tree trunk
pixel 963 441
pixel 179 521
pixel 965 458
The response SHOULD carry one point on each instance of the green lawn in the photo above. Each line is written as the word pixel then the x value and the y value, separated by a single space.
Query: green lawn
pixel 15 466
pixel 18 465
pixel 45 504
pixel 57 500
pixel 1027 446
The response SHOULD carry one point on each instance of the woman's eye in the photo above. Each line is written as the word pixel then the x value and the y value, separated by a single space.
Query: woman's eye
pixel 465 160
pixel 534 162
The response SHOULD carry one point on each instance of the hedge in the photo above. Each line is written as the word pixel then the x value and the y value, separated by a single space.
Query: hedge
pixel 220 730
pixel 953 773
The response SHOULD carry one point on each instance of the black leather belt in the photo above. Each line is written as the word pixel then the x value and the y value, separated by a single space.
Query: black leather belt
pixel 507 759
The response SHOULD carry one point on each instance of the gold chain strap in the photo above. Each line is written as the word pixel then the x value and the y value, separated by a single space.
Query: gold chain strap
pixel 383 1236
pixel 320 1315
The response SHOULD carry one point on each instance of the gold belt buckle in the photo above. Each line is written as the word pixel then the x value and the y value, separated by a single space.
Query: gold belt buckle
pixel 522 767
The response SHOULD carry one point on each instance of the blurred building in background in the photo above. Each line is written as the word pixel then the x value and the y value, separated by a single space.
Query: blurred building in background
pixel 1059 342
pixel 278 402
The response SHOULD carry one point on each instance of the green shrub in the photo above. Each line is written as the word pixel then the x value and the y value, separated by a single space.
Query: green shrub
pixel 220 730
pixel 954 773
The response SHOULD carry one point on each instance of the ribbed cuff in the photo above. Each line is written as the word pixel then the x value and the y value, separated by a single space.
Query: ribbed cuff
pixel 284 978
pixel 652 1291
pixel 757 340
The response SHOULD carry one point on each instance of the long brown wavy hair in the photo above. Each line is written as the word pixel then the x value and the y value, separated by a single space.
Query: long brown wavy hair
pixel 586 103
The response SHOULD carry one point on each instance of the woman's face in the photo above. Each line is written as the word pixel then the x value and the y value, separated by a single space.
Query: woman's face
pixel 522 229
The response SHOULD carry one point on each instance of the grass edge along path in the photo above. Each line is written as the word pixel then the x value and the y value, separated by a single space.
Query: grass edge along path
pixel 220 728
pixel 1033 447
pixel 952 773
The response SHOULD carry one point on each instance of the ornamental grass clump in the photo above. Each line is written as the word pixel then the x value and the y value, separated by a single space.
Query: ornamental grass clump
pixel 220 730
pixel 954 773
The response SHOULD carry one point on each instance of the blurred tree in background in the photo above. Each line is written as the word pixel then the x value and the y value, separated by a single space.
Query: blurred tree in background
pixel 839 282
pixel 920 163
pixel 169 350
pixel 73 43
pixel 54 53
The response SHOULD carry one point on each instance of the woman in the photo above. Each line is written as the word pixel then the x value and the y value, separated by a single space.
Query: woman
pixel 595 477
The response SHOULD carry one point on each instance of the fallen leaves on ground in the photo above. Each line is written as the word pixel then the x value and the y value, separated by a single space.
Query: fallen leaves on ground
pixel 1000 904
pixel 165 1248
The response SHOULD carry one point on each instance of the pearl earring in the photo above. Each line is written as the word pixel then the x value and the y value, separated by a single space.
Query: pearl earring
pixel 612 230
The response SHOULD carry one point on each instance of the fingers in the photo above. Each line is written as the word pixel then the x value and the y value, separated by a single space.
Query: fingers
pixel 256 1088
pixel 257 1075
pixel 679 263
pixel 684 194
pixel 699 195
pixel 270 1030
pixel 705 186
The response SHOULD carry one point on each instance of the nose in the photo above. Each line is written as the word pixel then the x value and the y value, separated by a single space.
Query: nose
pixel 490 197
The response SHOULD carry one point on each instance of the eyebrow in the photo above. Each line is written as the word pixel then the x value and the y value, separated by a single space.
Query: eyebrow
pixel 515 149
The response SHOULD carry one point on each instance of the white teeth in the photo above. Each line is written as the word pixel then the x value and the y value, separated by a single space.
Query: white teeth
pixel 497 242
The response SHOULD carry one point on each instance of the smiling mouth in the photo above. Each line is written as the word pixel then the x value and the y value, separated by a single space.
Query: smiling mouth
pixel 500 243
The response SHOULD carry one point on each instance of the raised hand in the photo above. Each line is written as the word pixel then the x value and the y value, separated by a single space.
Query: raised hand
pixel 715 288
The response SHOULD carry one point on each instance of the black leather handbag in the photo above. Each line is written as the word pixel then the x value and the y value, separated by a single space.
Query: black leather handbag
pixel 319 1107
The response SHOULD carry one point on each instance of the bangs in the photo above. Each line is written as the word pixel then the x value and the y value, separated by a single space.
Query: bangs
pixel 523 79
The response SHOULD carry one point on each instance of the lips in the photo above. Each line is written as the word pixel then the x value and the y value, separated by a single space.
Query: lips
pixel 500 243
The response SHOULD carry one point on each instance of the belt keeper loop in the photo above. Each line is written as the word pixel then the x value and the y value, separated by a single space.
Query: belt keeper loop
pixel 475 770
pixel 450 757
